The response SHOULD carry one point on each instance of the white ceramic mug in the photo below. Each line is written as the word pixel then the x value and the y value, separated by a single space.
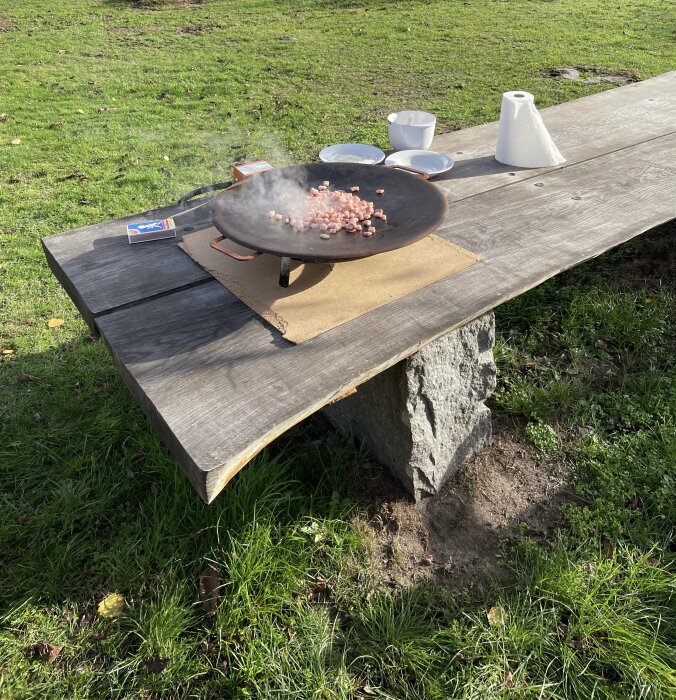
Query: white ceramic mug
pixel 411 130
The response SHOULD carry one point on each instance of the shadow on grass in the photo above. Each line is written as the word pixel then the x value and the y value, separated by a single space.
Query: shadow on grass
pixel 92 503
pixel 92 500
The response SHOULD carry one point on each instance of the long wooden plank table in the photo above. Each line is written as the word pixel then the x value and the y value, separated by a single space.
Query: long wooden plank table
pixel 219 383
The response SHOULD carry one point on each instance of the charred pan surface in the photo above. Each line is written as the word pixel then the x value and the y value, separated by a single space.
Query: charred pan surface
pixel 414 208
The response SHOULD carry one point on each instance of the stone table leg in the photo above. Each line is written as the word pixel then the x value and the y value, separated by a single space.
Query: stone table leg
pixel 425 416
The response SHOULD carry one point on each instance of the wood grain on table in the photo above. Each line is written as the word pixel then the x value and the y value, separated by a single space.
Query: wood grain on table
pixel 219 383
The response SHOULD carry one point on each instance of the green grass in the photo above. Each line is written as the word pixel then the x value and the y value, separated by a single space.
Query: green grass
pixel 90 502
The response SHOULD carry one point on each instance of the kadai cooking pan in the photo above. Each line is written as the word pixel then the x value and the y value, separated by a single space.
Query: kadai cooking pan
pixel 414 208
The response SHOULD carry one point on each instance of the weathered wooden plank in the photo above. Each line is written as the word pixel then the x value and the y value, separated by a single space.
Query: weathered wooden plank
pixel 101 271
pixel 582 129
pixel 221 384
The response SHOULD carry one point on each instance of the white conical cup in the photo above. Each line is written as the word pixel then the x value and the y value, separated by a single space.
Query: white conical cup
pixel 523 139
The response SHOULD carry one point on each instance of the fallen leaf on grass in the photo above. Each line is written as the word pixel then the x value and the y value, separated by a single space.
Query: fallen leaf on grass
pixel 55 322
pixel 28 378
pixel 16 142
pixel 209 583
pixel 509 680
pixel 47 652
pixel 607 548
pixel 80 111
pixel 85 619
pixel 112 605
pixel 156 664
pixel 367 690
pixel 7 351
pixel 496 616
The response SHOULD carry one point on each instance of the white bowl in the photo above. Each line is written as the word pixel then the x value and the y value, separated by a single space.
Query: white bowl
pixel 431 162
pixel 352 153
pixel 411 129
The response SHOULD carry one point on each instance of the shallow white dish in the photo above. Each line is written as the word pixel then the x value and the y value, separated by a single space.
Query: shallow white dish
pixel 352 153
pixel 431 162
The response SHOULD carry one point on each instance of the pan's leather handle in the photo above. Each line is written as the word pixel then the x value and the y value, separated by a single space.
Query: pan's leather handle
pixel 231 253
pixel 409 169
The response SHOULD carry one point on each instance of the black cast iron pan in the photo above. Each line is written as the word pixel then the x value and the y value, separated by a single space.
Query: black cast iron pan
pixel 415 208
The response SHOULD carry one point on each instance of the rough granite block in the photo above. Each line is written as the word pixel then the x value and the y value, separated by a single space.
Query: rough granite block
pixel 425 416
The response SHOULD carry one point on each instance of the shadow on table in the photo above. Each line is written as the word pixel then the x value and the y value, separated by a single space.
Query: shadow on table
pixel 479 167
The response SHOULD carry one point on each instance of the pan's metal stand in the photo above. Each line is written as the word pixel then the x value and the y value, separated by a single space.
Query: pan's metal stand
pixel 284 272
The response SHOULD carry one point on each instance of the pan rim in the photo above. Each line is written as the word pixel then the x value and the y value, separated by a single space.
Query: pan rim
pixel 275 248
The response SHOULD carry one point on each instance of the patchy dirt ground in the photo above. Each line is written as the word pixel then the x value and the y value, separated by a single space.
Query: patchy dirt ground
pixel 457 536
pixel 590 75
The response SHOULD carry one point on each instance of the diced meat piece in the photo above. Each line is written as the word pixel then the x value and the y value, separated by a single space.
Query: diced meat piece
pixel 328 211
pixel 325 236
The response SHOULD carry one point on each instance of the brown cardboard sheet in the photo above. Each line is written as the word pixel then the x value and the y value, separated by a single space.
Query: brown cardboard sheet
pixel 319 298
